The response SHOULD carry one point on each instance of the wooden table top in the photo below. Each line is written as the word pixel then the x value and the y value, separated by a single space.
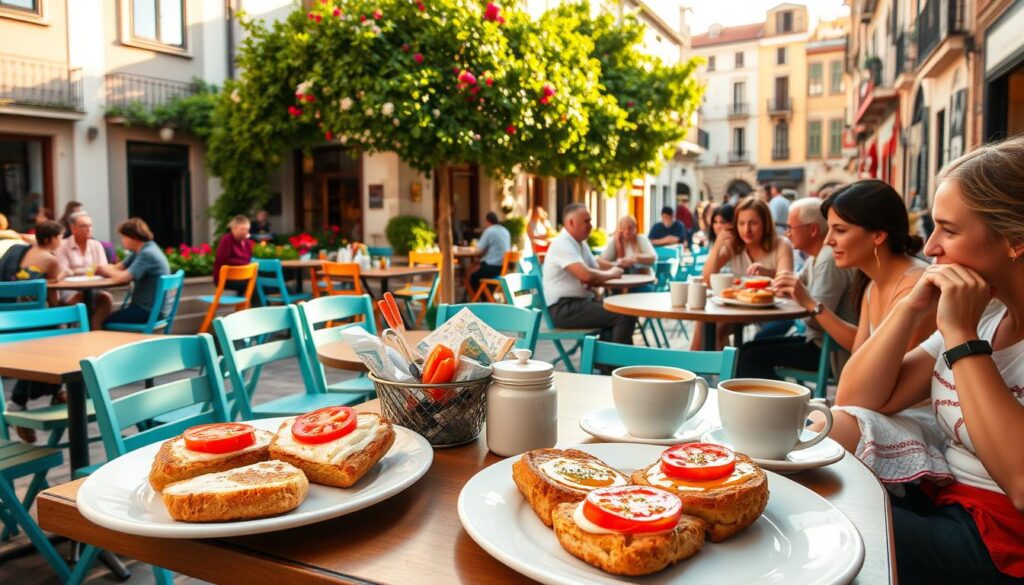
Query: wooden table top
pixel 629 281
pixel 398 271
pixel 55 359
pixel 466 252
pixel 311 263
pixel 416 536
pixel 338 354
pixel 659 306
pixel 96 283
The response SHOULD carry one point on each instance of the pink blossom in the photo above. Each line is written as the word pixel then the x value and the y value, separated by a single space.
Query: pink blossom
pixel 548 90
pixel 467 78
pixel 418 58
pixel 336 12
pixel 493 12
pixel 377 14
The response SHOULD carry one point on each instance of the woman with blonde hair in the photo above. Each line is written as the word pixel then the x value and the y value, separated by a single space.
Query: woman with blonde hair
pixel 965 521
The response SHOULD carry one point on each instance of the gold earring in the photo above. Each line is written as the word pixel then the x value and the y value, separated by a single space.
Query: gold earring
pixel 1013 255
pixel 877 261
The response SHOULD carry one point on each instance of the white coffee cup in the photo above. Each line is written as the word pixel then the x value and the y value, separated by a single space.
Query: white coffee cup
pixel 654 401
pixel 696 295
pixel 720 282
pixel 764 418
pixel 677 292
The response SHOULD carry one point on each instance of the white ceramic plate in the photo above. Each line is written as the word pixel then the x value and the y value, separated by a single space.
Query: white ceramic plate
pixel 82 278
pixel 800 538
pixel 606 425
pixel 738 303
pixel 118 495
pixel 824 453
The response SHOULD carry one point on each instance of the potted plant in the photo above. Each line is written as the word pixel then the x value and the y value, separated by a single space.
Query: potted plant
pixel 408 232
pixel 516 226
pixel 303 244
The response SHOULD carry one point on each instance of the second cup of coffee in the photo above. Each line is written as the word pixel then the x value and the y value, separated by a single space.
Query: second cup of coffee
pixel 696 295
pixel 654 401
pixel 764 418
pixel 677 293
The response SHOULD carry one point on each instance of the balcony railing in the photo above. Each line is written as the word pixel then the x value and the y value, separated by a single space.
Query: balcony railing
pixel 780 153
pixel 936 21
pixel 124 90
pixel 41 84
pixel 739 109
pixel 739 156
pixel 904 54
pixel 780 106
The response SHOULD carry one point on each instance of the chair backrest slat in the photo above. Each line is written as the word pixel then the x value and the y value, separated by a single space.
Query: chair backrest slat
pixel 13 295
pixel 264 353
pixel 334 272
pixel 270 276
pixel 705 363
pixel 526 291
pixel 504 318
pixel 35 323
pixel 324 311
pixel 136 406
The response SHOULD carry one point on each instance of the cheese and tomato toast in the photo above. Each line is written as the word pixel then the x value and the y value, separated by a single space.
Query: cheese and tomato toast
pixel 267 488
pixel 548 477
pixel 208 449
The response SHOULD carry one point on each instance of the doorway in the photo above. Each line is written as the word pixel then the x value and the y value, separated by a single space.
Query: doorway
pixel 158 190
pixel 329 191
pixel 338 195
pixel 25 179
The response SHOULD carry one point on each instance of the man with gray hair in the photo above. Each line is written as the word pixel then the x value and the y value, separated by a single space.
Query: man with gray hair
pixel 571 270
pixel 80 255
pixel 820 284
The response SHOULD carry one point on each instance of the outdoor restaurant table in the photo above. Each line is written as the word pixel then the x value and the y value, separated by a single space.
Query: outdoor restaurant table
pixel 416 536
pixel 86 286
pixel 384 274
pixel 628 281
pixel 299 266
pixel 657 305
pixel 339 354
pixel 55 360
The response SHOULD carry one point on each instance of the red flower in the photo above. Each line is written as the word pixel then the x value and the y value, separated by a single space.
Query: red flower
pixel 318 18
pixel 169 251
pixel 311 16
pixel 545 100
pixel 418 58
pixel 467 78
pixel 377 14
pixel 334 228
pixel 629 104
pixel 489 82
pixel 183 247
pixel 474 90
pixel 362 18
pixel 405 47
pixel 309 98
pixel 185 255
pixel 421 6
pixel 205 248
pixel 328 135
pixel 336 12
pixel 510 129
pixel 548 90
pixel 493 12
pixel 294 111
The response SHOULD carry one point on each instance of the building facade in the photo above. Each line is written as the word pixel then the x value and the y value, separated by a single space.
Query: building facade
pixel 826 165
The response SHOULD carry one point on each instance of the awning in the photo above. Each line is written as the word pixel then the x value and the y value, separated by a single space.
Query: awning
pixel 687 147
pixel 766 175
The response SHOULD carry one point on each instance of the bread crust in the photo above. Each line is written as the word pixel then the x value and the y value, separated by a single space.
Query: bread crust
pixel 350 470
pixel 726 510
pixel 758 296
pixel 541 491
pixel 274 488
pixel 168 467
pixel 628 554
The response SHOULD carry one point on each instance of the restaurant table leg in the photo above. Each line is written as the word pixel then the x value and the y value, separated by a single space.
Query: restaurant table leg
pixel 737 334
pixel 709 336
pixel 78 423
pixel 87 297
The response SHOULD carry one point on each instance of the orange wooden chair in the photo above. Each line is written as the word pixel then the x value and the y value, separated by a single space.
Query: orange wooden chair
pixel 247 272
pixel 490 286
pixel 422 292
pixel 335 274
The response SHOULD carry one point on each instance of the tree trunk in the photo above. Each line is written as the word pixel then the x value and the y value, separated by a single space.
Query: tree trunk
pixel 446 291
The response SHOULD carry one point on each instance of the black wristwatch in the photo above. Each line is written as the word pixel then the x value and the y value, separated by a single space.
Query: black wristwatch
pixel 973 347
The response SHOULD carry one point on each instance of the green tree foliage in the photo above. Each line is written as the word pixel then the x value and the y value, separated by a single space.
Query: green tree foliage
pixel 191 113
pixel 406 233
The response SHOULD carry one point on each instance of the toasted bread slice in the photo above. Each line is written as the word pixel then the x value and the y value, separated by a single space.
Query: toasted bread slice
pixel 628 554
pixel 535 475
pixel 343 461
pixel 758 296
pixel 174 462
pixel 727 509
pixel 267 488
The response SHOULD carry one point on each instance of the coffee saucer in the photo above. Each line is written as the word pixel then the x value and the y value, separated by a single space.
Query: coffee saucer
pixel 606 425
pixel 824 453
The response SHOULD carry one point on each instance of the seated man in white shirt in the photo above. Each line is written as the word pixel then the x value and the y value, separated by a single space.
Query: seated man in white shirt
pixel 570 270
pixel 80 255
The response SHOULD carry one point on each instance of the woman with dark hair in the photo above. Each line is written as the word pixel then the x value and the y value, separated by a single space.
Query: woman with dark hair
pixel 964 522
pixel 721 220
pixel 65 220
pixel 751 247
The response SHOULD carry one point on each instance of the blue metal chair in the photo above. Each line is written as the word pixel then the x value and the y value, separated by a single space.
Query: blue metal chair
pixel 146 360
pixel 822 377
pixel 23 294
pixel 527 291
pixel 531 265
pixel 270 284
pixel 380 251
pixel 168 284
pixel 248 342
pixel 504 318
pixel 33 324
pixel 319 317
pixel 705 363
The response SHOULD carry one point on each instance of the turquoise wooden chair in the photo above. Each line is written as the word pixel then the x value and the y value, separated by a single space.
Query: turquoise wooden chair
pixel 822 377
pixel 248 342
pixel 526 291
pixel 23 294
pixel 531 265
pixel 33 324
pixel 270 284
pixel 318 318
pixel 19 460
pixel 145 360
pixel 414 296
pixel 168 284
pixel 704 363
pixel 525 323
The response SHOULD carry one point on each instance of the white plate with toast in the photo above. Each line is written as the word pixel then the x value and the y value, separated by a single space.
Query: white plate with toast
pixel 738 303
pixel 118 495
pixel 606 425
pixel 800 537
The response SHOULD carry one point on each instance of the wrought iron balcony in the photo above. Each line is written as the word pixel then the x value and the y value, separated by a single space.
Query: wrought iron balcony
pixel 39 84
pixel 904 54
pixel 739 109
pixel 780 106
pixel 740 156
pixel 124 90
pixel 936 21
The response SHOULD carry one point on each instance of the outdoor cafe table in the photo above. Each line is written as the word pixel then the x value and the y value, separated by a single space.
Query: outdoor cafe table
pixel 339 354
pixel 628 281
pixel 657 305
pixel 86 286
pixel 55 360
pixel 384 274
pixel 415 536
pixel 300 266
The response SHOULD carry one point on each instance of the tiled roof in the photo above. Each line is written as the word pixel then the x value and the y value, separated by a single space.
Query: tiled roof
pixel 730 34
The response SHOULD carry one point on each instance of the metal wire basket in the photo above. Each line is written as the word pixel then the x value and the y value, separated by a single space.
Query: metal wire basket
pixel 445 414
